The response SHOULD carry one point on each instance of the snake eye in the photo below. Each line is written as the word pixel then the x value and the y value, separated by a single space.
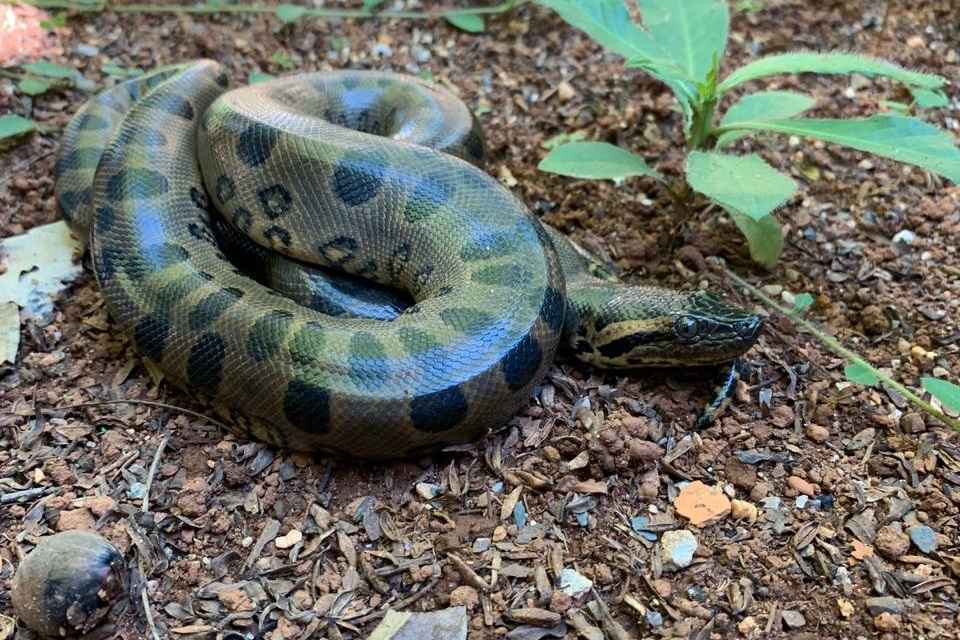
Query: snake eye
pixel 687 328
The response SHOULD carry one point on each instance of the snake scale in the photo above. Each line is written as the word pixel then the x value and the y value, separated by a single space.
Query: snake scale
pixel 322 258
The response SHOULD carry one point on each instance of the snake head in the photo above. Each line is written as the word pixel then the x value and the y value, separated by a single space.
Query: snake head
pixel 654 327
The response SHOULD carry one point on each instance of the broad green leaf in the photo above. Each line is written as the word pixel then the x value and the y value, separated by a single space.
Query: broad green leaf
pixel 50 70
pixel 801 302
pixel 12 125
pixel 563 138
pixel 828 63
pixel 898 137
pixel 860 374
pixel 746 184
pixel 764 237
pixel 763 105
pixel 469 22
pixel 290 12
pixel 608 22
pixel 929 99
pixel 946 392
pixel 33 86
pixel 258 76
pixel 595 160
pixel 691 33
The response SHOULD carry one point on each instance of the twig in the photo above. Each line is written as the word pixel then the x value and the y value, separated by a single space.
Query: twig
pixel 210 8
pixel 148 612
pixel 836 347
pixel 399 604
pixel 149 403
pixel 25 494
pixel 153 470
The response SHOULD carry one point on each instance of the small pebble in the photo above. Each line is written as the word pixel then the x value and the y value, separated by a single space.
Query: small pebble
pixel 421 54
pixel 885 604
pixel 801 501
pixel 428 491
pixel 573 584
pixel 771 502
pixel 654 618
pixel 678 547
pixel 905 237
pixel 86 50
pixel 924 537
pixel 817 433
pixel 481 544
pixel 793 619
pixel 382 50
pixel 287 541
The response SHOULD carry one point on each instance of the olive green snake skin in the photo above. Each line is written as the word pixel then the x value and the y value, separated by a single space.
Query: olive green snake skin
pixel 432 303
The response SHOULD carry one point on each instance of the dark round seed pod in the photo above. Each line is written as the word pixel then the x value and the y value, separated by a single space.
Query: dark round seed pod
pixel 67 583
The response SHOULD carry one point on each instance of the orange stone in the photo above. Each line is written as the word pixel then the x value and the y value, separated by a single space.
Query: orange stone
pixel 701 504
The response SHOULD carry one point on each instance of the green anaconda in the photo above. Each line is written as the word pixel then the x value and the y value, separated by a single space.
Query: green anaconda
pixel 421 300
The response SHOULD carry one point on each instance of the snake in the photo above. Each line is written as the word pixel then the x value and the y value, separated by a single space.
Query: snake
pixel 323 259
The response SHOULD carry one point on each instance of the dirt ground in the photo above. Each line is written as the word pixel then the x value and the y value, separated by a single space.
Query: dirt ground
pixel 836 486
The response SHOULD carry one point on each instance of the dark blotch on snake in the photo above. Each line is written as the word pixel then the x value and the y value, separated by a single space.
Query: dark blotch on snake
pixel 430 193
pixel 521 363
pixel 398 260
pixel 340 250
pixel 223 80
pixel 473 145
pixel 307 406
pixel 202 232
pixel 268 333
pixel 358 177
pixel 225 189
pixel 553 309
pixel 82 158
pixel 205 363
pixel 438 411
pixel 106 216
pixel 242 219
pixel 466 320
pixel 276 200
pixel 279 233
pixel 256 144
pixel 199 197
pixel 502 275
pixel 213 306
pixel 150 336
pixel 91 122
pixel 174 105
pixel 307 343
pixel 136 182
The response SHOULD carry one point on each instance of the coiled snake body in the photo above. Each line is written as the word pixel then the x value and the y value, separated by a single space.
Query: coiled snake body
pixel 371 179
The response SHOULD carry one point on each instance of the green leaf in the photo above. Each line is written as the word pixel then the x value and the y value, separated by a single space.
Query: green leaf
pixel 59 19
pixel 12 125
pixel 801 302
pixel 258 76
pixel 860 374
pixel 746 184
pixel 282 59
pixel 370 5
pixel 763 105
pixel 929 99
pixel 563 138
pixel 290 12
pixel 469 22
pixel 764 237
pixel 116 71
pixel 691 33
pixel 50 70
pixel 946 392
pixel 608 22
pixel 894 136
pixel 33 86
pixel 595 160
pixel 828 63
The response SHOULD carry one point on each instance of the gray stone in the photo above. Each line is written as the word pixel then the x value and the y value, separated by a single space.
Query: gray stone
pixel 924 537
pixel 678 547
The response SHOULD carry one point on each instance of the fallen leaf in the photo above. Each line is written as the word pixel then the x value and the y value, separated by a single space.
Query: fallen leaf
pixel 449 624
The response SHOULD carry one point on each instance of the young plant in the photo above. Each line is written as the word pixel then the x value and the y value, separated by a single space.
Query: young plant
pixel 682 44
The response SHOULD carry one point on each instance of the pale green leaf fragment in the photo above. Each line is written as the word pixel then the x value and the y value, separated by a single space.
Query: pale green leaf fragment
pixel 746 184
pixel 370 5
pixel 801 302
pixel 764 237
pixel 946 392
pixel 12 125
pixel 892 105
pixel 595 160
pixel 927 99
pixel 563 138
pixel 889 135
pixel 258 76
pixel 469 22
pixel 860 374
pixel 50 70
pixel 763 105
pixel 828 63
pixel 691 33
pixel 33 86
pixel 290 12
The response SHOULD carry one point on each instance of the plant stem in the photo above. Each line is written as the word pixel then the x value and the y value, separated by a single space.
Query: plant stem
pixel 836 347
pixel 700 129
pixel 105 5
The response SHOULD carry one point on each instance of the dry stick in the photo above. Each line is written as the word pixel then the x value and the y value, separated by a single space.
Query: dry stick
pixel 80 7
pixel 148 612
pixel 153 470
pixel 148 403
pixel 835 346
